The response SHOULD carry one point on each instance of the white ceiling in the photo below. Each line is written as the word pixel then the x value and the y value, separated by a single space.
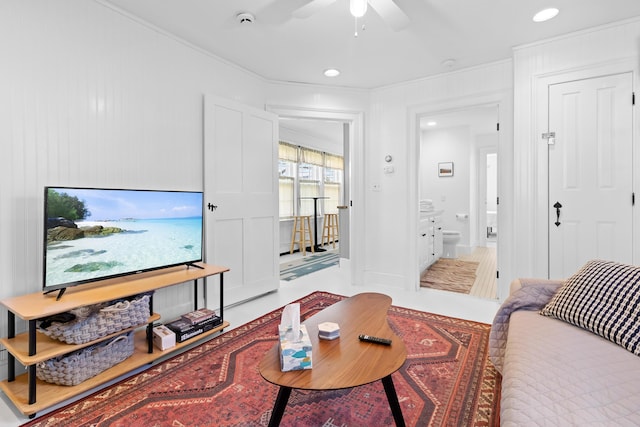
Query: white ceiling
pixel 480 120
pixel 329 130
pixel 281 47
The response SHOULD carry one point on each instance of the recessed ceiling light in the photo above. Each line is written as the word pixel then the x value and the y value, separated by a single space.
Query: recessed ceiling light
pixel 332 72
pixel 432 123
pixel 545 15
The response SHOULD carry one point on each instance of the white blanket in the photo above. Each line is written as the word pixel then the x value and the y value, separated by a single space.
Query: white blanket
pixel 557 374
pixel 526 294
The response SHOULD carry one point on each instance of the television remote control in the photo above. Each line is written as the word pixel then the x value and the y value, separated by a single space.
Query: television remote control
pixel 375 340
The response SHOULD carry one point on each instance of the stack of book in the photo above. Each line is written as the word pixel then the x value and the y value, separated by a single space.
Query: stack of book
pixel 194 323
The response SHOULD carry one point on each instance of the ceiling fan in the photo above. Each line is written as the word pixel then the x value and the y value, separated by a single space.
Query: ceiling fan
pixel 388 10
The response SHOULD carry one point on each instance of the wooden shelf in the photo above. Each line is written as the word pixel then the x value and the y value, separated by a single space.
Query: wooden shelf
pixel 52 394
pixel 39 305
pixel 25 388
pixel 49 347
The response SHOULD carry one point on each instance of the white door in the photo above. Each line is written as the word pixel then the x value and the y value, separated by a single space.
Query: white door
pixel 590 172
pixel 241 199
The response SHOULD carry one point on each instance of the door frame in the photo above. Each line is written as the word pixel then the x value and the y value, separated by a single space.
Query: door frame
pixel 502 102
pixel 355 120
pixel 540 152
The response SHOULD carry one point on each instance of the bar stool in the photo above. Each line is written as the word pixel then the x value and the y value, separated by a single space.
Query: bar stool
pixel 330 229
pixel 301 230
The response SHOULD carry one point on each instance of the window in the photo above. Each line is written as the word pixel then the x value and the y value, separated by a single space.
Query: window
pixel 287 167
pixel 286 187
pixel 310 176
pixel 333 172
pixel 306 173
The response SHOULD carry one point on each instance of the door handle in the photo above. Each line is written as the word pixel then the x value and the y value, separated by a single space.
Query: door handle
pixel 557 205
pixel 212 207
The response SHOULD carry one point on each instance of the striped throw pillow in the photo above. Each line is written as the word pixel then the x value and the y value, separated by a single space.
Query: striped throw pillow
pixel 602 297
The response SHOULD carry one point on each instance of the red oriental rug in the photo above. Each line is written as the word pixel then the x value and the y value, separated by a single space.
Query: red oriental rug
pixel 446 381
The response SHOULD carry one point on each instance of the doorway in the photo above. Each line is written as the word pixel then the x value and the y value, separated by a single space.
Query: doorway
pixel 465 201
pixel 488 187
pixel 312 183
pixel 351 230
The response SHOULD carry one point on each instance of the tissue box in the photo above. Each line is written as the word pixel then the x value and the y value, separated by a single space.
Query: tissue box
pixel 294 356
pixel 163 337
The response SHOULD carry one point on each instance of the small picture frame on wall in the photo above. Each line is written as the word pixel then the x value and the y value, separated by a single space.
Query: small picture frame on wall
pixel 445 169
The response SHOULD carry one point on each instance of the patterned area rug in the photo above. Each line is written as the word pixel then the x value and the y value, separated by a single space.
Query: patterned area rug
pixel 446 381
pixel 308 264
pixel 450 275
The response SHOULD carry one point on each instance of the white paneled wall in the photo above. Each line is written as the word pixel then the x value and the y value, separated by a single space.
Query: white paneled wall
pixel 91 97
pixel 608 49
pixel 392 211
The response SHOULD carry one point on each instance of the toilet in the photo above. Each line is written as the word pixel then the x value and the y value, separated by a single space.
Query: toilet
pixel 450 239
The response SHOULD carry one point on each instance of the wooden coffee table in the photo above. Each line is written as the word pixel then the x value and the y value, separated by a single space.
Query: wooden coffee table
pixel 346 361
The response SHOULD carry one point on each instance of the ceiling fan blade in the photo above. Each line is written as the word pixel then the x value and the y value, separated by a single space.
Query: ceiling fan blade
pixel 391 13
pixel 278 12
pixel 310 8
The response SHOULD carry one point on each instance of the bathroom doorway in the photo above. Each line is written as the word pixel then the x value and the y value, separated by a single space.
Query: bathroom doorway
pixel 465 200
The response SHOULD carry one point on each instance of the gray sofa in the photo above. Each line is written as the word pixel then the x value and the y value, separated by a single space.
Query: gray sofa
pixel 555 373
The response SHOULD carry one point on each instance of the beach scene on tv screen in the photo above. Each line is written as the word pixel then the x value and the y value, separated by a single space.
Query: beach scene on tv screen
pixel 92 234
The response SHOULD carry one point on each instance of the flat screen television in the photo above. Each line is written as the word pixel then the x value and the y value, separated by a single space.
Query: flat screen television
pixel 93 234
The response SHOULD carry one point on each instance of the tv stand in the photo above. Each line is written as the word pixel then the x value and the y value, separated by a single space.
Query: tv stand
pixel 30 348
pixel 60 292
pixel 191 264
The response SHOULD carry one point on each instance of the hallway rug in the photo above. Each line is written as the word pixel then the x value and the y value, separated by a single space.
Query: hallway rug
pixel 446 381
pixel 450 275
pixel 309 264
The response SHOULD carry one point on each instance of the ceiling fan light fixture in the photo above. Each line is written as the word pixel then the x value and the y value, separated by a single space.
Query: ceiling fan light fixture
pixel 358 8
pixel 331 72
pixel 545 14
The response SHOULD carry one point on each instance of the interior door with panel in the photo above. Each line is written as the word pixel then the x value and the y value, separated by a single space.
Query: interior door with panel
pixel 241 198
pixel 590 172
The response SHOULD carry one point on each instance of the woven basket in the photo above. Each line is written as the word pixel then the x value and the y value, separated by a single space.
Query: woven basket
pixel 73 368
pixel 96 321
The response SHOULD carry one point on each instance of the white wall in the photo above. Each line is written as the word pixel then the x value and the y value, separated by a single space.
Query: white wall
pixel 450 194
pixel 311 141
pixel 604 50
pixel 93 98
pixel 461 193
pixel 391 255
pixel 96 98
pixel 522 178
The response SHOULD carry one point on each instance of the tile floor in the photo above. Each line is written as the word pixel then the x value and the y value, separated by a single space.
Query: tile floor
pixel 336 280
